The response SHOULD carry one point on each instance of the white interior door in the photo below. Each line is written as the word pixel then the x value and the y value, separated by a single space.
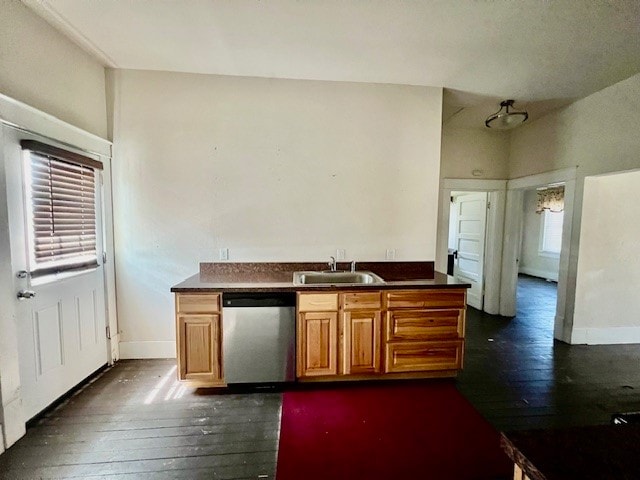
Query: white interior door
pixel 61 328
pixel 470 222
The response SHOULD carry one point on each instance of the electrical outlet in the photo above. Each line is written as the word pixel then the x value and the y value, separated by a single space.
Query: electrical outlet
pixel 391 254
pixel 340 254
pixel 224 254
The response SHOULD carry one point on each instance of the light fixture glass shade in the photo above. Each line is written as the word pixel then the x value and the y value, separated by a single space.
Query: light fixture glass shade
pixel 505 118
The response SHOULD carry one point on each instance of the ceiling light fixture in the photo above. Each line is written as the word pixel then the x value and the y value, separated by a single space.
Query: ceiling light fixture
pixel 504 119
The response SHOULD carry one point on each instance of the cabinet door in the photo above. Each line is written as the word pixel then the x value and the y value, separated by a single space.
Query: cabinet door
pixel 199 348
pixel 317 344
pixel 361 351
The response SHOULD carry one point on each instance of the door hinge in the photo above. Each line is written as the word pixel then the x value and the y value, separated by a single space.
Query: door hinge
pixel 108 329
pixel 104 257
pixel 488 205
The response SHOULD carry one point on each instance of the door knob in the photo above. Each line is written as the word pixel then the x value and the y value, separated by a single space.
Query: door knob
pixel 26 294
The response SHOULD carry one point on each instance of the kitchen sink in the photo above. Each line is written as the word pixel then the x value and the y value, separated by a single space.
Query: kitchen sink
pixel 333 278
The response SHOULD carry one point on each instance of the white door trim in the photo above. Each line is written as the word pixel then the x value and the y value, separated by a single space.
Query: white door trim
pixel 540 179
pixel 493 244
pixel 22 116
pixel 513 238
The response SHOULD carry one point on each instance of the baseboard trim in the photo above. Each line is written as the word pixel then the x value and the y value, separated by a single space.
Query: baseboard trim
pixel 534 272
pixel 150 349
pixel 605 336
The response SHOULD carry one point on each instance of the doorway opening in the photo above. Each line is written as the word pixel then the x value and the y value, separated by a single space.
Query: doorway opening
pixel 495 193
pixel 539 256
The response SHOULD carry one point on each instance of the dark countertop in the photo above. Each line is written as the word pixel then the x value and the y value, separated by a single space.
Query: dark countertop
pixel 600 452
pixel 278 277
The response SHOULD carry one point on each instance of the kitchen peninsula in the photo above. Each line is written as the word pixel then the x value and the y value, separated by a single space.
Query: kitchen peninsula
pixel 410 325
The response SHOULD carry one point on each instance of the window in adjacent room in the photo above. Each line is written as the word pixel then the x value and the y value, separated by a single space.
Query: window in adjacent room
pixel 550 204
pixel 60 191
pixel 551 233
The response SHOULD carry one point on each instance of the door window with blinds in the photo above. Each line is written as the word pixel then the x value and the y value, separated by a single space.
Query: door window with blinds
pixel 61 193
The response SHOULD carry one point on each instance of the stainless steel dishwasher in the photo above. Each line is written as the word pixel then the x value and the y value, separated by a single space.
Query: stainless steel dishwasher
pixel 258 337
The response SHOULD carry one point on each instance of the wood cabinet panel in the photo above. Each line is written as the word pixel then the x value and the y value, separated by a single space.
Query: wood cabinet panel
pixel 423 356
pixel 404 332
pixel 436 298
pixel 317 302
pixel 197 302
pixel 361 350
pixel 362 300
pixel 199 358
pixel 428 324
pixel 317 344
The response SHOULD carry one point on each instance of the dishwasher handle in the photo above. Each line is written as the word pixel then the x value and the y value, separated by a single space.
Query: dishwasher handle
pixel 258 299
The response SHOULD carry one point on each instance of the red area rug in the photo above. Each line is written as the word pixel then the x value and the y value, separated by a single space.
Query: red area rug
pixel 423 430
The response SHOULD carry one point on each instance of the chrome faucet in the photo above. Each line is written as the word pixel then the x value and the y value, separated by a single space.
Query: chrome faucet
pixel 332 264
pixel 353 266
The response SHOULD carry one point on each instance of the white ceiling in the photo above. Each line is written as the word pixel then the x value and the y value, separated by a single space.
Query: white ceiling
pixel 542 53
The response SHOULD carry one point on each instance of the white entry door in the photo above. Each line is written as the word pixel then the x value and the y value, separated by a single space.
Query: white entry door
pixel 61 322
pixel 471 219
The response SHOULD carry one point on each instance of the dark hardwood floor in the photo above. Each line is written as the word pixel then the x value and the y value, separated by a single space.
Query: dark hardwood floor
pixel 519 377
pixel 135 422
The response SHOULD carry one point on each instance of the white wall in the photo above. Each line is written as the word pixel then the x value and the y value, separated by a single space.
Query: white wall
pixel 42 68
pixel 274 170
pixel 607 300
pixel 599 134
pixel 531 262
pixel 465 150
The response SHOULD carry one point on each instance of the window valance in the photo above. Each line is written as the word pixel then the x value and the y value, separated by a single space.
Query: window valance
pixel 551 199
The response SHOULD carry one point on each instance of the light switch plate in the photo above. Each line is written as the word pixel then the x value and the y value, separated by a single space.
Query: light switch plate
pixel 391 254
pixel 224 254
pixel 340 254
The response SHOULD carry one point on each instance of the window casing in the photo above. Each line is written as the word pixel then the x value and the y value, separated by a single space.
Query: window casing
pixel 551 233
pixel 61 215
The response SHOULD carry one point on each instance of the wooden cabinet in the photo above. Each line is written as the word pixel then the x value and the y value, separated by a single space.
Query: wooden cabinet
pixel 361 330
pixel 339 334
pixel 361 342
pixel 199 339
pixel 380 334
pixel 317 335
pixel 424 330
pixel 317 344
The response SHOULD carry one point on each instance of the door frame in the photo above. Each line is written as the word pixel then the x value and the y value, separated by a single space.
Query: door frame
pixel 17 115
pixel 563 322
pixel 496 190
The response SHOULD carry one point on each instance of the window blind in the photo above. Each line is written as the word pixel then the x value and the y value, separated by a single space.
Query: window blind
pixel 62 196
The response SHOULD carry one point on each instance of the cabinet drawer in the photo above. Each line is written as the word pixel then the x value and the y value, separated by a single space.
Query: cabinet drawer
pixel 317 302
pixel 197 302
pixel 435 298
pixel 362 301
pixel 424 324
pixel 423 356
